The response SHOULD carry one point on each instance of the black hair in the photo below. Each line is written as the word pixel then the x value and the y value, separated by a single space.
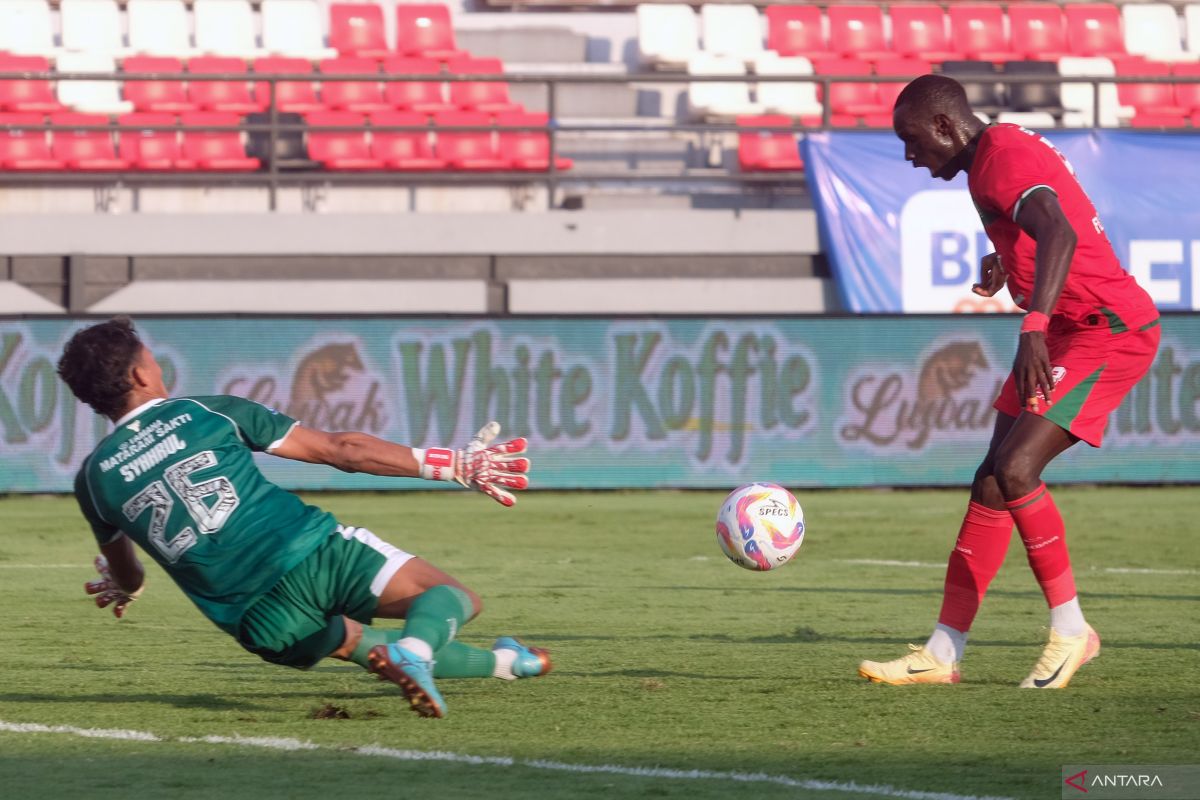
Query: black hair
pixel 935 94
pixel 96 363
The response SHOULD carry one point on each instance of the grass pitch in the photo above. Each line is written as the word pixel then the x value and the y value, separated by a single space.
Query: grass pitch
pixel 667 657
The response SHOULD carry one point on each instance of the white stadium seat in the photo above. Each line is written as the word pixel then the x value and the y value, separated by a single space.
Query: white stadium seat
pixel 1191 24
pixel 226 28
pixel 159 28
pixel 93 97
pixel 1036 120
pixel 732 30
pixel 719 99
pixel 92 26
pixel 293 28
pixel 793 99
pixel 1079 100
pixel 668 35
pixel 27 29
pixel 1152 30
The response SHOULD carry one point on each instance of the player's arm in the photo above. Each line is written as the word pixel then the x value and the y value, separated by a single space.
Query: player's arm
pixel 1043 220
pixel 122 578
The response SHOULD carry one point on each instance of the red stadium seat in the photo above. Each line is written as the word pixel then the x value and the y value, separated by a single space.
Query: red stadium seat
pixel 425 30
pixel 298 97
pixel 1147 98
pixel 150 149
pixel 528 150
pixel 1158 119
pixel 84 150
pixel 166 96
pixel 25 149
pixel 921 31
pixel 404 150
pixel 341 150
pixel 468 150
pixel 216 150
pixel 1187 95
pixel 422 96
pixel 358 96
pixel 797 31
pixel 978 33
pixel 356 30
pixel 768 151
pixel 32 95
pixel 1094 30
pixel 900 67
pixel 226 96
pixel 854 99
pixel 1039 31
pixel 490 96
pixel 857 31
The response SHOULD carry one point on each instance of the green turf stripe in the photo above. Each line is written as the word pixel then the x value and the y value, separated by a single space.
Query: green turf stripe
pixel 1066 408
pixel 1115 323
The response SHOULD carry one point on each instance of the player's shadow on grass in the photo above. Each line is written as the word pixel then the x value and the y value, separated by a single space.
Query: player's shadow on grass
pixel 211 702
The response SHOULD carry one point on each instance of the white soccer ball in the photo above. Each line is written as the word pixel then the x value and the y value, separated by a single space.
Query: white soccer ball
pixel 760 526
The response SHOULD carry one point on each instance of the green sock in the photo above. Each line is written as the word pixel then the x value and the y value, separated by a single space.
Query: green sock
pixel 458 660
pixel 370 638
pixel 436 614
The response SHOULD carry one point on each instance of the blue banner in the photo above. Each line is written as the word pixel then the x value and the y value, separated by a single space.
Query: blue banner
pixel 902 242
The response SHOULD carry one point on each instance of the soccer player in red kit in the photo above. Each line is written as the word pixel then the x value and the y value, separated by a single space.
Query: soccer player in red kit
pixel 1089 335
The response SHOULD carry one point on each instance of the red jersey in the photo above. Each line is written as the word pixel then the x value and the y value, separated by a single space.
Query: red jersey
pixel 1010 164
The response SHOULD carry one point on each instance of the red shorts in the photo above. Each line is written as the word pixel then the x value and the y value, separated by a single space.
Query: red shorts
pixel 1093 370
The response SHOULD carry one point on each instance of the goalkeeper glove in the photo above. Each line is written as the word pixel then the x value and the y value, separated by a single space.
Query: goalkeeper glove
pixel 489 468
pixel 107 591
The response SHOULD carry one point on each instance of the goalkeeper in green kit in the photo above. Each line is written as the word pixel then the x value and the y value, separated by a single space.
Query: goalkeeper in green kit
pixel 287 581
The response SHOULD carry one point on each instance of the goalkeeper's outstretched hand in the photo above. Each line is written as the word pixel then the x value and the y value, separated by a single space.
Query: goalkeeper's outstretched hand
pixel 107 592
pixel 494 468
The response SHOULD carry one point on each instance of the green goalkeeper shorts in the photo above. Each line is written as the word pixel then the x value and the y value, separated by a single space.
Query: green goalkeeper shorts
pixel 299 622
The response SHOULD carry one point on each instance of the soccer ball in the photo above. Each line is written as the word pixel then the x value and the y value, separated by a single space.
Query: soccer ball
pixel 760 526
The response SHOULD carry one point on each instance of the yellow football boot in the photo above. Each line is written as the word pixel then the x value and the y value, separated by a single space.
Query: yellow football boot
pixel 919 666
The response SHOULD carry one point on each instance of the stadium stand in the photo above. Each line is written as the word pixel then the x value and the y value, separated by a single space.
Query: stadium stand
pixel 978 77
pixel 857 32
pixel 719 100
pixel 733 30
pixel 527 150
pixel 294 28
pixel 26 148
pixel 668 35
pixel 27 95
pixel 358 96
pixel 298 97
pixel 156 95
pixel 92 26
pixel 217 150
pixel 1038 31
pixel 27 29
pixel 81 148
pixel 1094 30
pixel 425 31
pixel 341 150
pixel 426 97
pixel 791 99
pixel 146 146
pixel 921 31
pixel 91 96
pixel 403 150
pixel 226 28
pixel 1191 17
pixel 357 30
pixel 233 96
pixel 1152 30
pixel 797 31
pixel 979 33
pixel 290 151
pixel 159 28
pixel 1079 99
pixel 490 97
pixel 764 150
pixel 474 150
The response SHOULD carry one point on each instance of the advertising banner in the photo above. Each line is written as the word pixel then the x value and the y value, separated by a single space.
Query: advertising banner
pixel 616 403
pixel 900 241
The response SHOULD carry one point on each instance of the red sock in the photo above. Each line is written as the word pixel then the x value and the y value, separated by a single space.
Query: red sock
pixel 1044 535
pixel 975 560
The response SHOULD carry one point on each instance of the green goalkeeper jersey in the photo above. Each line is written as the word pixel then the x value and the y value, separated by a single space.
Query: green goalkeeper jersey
pixel 178 477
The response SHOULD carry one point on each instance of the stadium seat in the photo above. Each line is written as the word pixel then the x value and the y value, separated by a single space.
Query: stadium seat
pixel 227 96
pixel 1152 30
pixel 84 150
pixel 226 28
pixel 159 28
pixel 357 30
pixel 91 97
pixel 27 95
pixel 528 151
pixel 290 96
pixel 1147 98
pixel 488 96
pixel 1187 95
pixel 857 32
pixel 293 28
pixel 156 95
pixel 793 99
pixel 1094 30
pixel 719 98
pixel 27 28
pixel 898 67
pixel 215 150
pixel 1038 31
pixel 467 150
pixel 1158 120
pixel 797 31
pixel 768 151
pixel 424 97
pixel 978 33
pixel 359 96
pixel 1079 98
pixel 979 80
pixel 25 149
pixel 424 30
pixel 92 26
pixel 1191 24
pixel 147 149
pixel 1034 96
pixel 1034 120
pixel 340 150
pixel 853 99
pixel 403 150
pixel 732 30
pixel 921 31
pixel 290 151
pixel 668 35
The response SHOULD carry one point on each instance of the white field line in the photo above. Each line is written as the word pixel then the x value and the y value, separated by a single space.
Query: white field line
pixel 377 751
pixel 882 562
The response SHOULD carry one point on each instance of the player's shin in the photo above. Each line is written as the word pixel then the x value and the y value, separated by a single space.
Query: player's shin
pixel 434 618
pixel 1044 535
